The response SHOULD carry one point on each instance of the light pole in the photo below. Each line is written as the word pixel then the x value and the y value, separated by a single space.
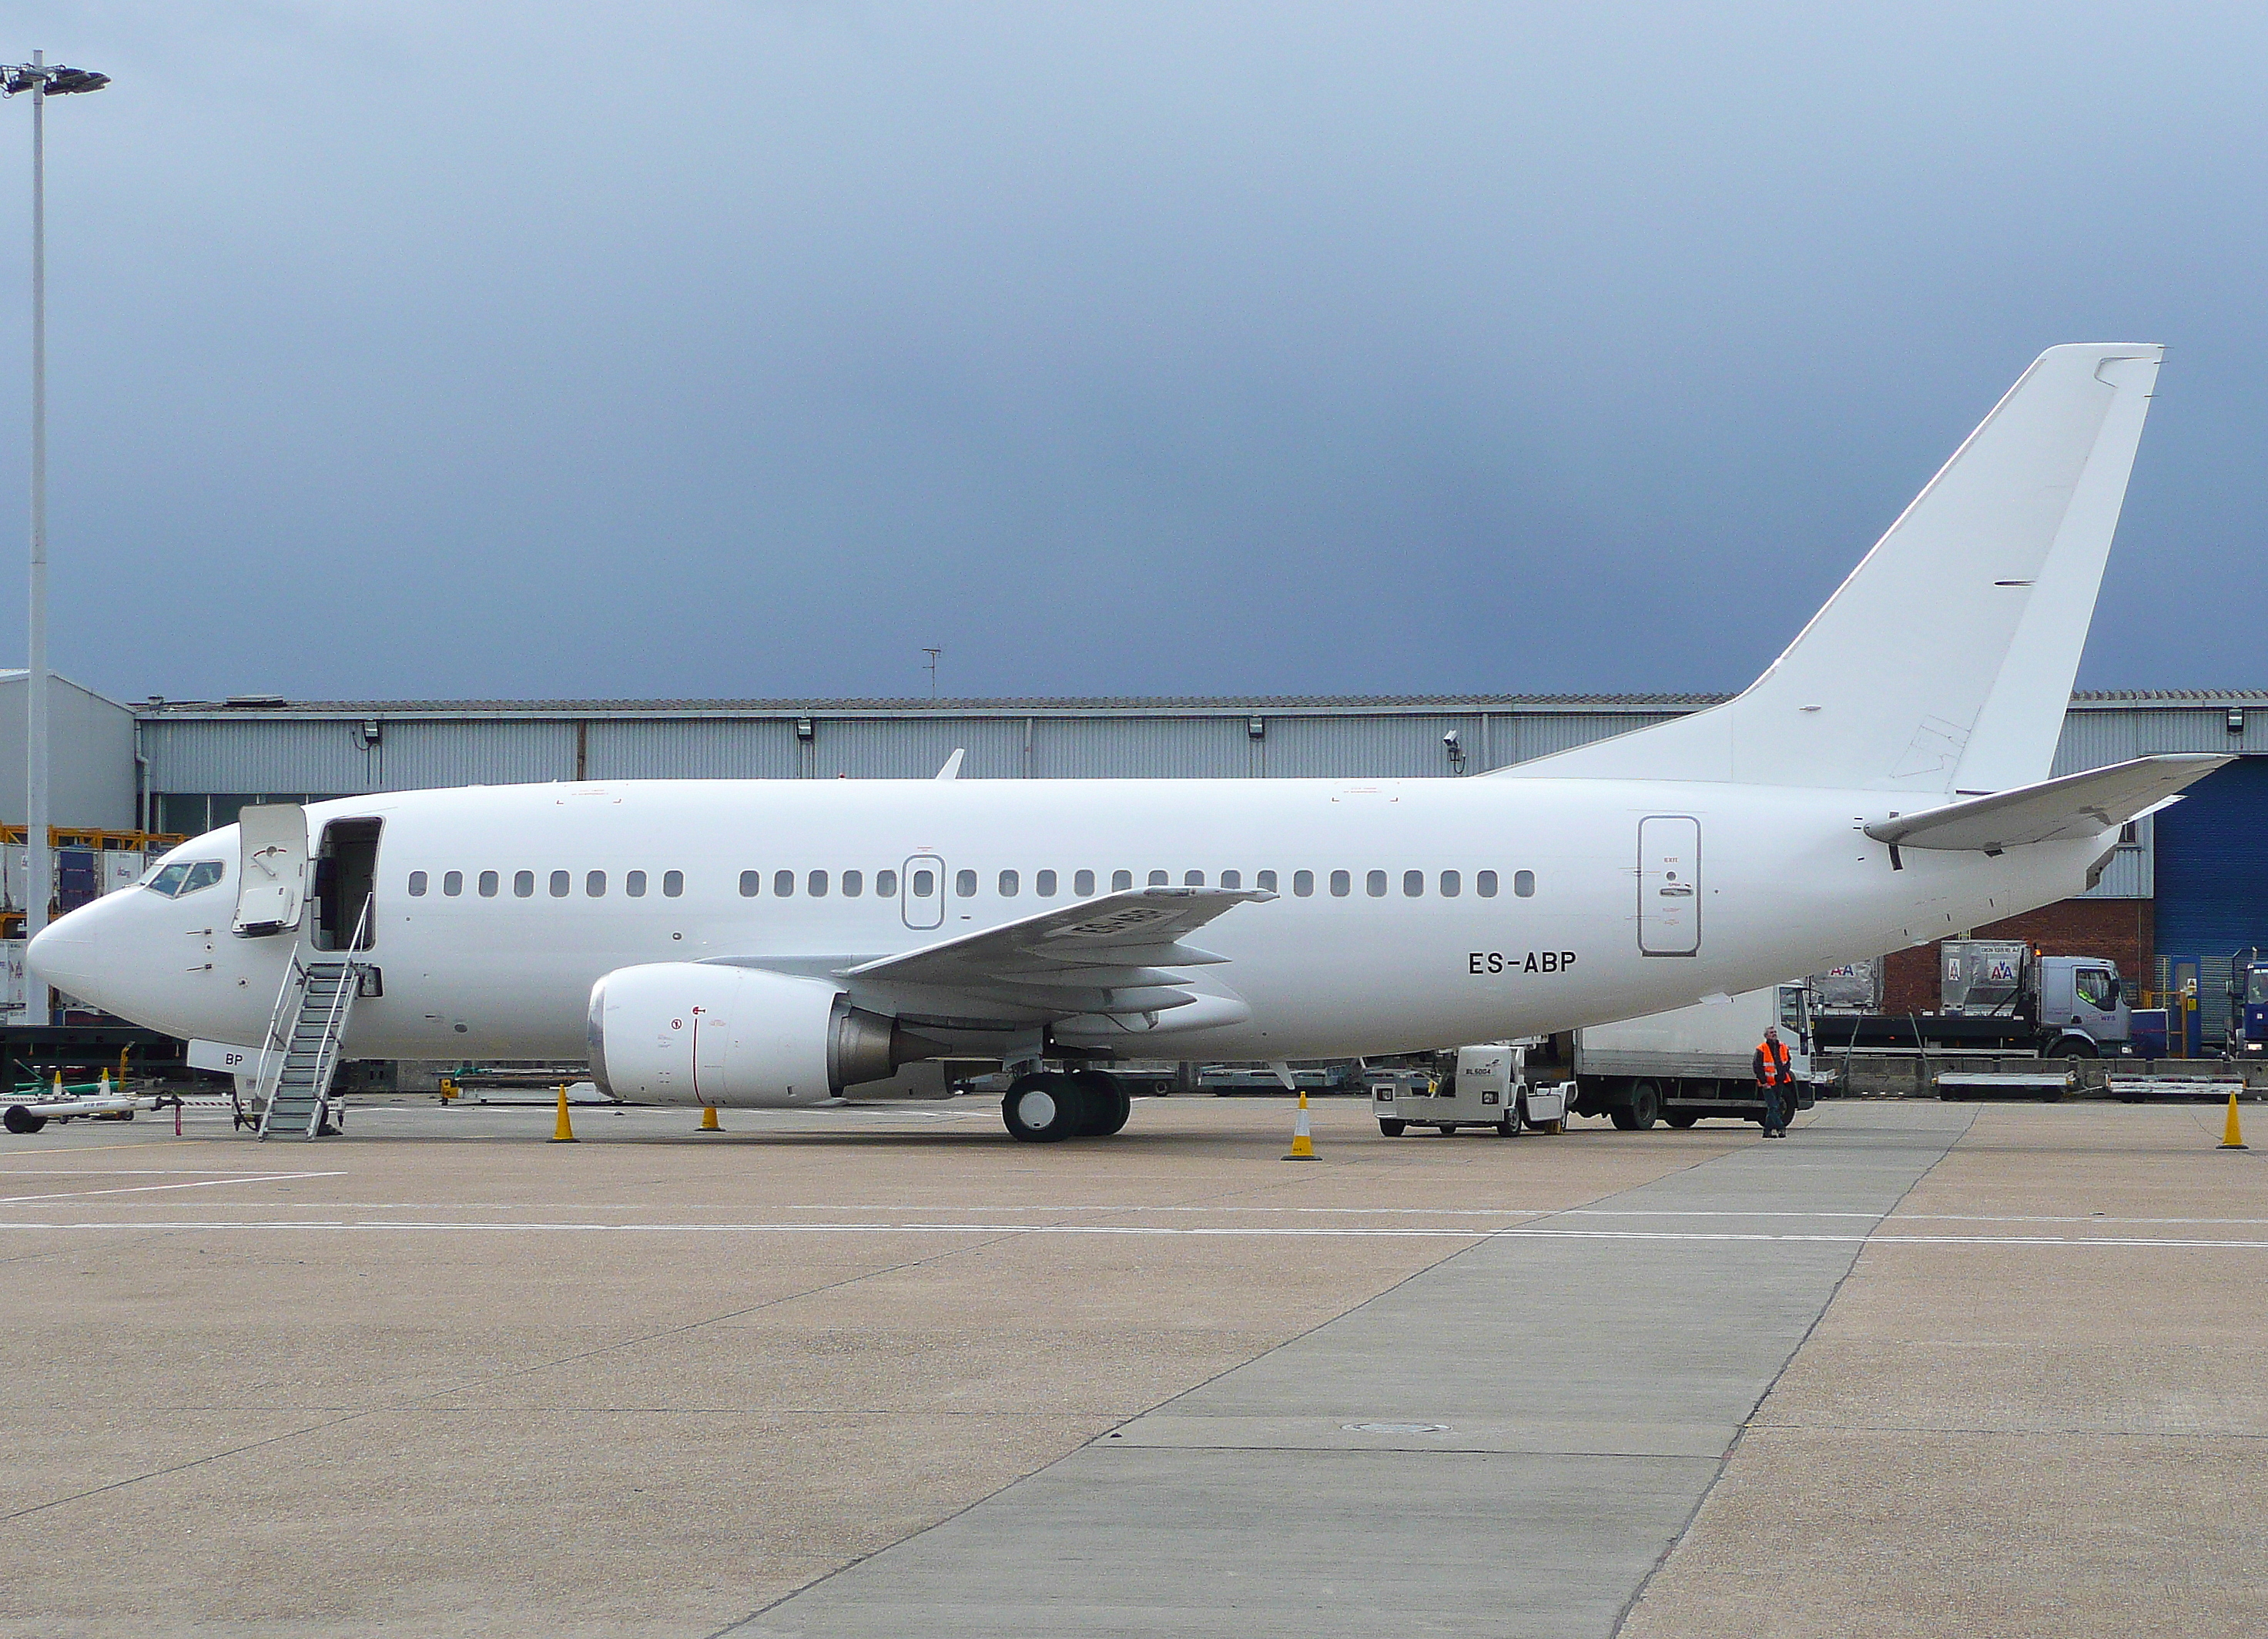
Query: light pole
pixel 43 80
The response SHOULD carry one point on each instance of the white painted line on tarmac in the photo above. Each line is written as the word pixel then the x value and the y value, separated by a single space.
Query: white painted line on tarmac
pixel 1224 1233
pixel 143 1189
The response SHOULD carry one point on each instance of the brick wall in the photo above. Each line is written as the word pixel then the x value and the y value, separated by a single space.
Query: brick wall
pixel 2121 929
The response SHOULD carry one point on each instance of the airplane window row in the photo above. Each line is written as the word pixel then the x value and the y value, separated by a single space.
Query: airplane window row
pixel 560 884
pixel 1047 884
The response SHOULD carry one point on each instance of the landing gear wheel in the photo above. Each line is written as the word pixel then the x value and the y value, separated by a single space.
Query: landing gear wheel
pixel 1106 1101
pixel 1392 1126
pixel 19 1120
pixel 1041 1108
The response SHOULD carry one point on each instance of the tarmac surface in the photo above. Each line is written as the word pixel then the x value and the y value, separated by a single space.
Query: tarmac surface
pixel 1919 1369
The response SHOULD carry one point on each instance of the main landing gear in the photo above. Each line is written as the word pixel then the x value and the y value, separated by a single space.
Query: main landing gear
pixel 1047 1106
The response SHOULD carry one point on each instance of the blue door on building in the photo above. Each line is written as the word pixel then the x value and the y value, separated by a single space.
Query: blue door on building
pixel 2212 876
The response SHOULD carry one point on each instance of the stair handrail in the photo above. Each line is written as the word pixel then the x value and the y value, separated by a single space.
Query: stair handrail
pixel 334 1022
pixel 273 1049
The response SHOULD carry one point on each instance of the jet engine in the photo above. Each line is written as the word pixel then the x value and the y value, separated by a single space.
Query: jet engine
pixel 695 1033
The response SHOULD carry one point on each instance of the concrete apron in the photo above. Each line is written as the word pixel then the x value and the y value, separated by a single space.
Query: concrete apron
pixel 1566 1396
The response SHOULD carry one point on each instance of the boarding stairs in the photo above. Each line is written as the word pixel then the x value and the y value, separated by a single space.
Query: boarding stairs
pixel 304 1036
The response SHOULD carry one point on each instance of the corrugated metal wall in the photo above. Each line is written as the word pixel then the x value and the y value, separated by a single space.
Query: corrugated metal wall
pixel 2213 874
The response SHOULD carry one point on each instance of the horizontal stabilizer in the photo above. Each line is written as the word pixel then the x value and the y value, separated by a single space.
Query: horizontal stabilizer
pixel 2073 808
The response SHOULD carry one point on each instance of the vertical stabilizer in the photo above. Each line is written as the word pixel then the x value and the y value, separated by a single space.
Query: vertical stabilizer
pixel 1945 662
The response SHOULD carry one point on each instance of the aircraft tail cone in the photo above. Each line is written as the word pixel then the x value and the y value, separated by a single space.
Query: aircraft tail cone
pixel 1303 1138
pixel 564 1133
pixel 2232 1135
pixel 708 1123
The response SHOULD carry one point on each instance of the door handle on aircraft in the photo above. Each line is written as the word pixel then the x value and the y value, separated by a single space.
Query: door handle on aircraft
pixel 1676 890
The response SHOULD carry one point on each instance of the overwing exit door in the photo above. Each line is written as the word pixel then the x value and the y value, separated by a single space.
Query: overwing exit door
pixel 271 878
pixel 921 891
pixel 1670 885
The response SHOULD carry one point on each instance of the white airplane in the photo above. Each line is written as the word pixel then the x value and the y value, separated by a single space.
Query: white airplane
pixel 774 943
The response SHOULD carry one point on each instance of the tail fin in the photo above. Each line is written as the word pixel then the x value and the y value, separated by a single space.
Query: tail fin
pixel 1945 662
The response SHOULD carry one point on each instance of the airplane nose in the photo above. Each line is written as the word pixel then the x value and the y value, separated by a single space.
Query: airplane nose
pixel 60 954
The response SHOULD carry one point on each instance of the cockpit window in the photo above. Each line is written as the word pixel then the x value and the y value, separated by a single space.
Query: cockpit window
pixel 185 877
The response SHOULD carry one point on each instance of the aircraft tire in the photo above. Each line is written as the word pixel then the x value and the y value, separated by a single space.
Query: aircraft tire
pixel 1392 1127
pixel 1104 1104
pixel 1041 1108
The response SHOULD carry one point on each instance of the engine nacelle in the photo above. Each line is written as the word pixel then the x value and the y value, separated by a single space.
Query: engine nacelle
pixel 693 1033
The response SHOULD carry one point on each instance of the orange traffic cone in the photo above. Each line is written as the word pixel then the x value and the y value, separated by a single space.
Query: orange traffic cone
pixel 1303 1141
pixel 709 1119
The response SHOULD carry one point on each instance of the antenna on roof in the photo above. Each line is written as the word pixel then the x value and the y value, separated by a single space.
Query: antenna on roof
pixel 930 666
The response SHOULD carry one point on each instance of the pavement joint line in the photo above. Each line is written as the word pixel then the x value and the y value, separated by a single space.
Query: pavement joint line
pixel 143 1189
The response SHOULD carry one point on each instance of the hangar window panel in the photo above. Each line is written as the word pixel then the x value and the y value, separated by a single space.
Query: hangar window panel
pixel 1453 884
pixel 488 885
pixel 1413 885
pixel 964 883
pixel 673 884
pixel 561 881
pixel 595 885
pixel 752 883
pixel 815 884
pixel 1010 885
pixel 633 884
pixel 1303 883
pixel 1044 884
pixel 854 883
pixel 784 884
pixel 523 885
pixel 1484 884
pixel 1523 883
pixel 1121 881
pixel 1341 884
pixel 1159 879
pixel 1266 882
pixel 416 884
pixel 1193 879
pixel 1231 879
pixel 1374 883
pixel 452 883
pixel 1082 883
pixel 885 884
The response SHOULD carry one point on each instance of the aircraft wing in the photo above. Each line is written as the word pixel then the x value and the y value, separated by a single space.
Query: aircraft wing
pixel 1115 955
pixel 2055 810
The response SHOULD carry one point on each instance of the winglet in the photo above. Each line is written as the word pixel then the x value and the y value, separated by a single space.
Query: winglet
pixel 952 769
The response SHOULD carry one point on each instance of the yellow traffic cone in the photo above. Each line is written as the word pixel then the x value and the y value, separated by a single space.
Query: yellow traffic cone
pixel 709 1119
pixel 565 1132
pixel 2232 1135
pixel 103 1090
pixel 1303 1142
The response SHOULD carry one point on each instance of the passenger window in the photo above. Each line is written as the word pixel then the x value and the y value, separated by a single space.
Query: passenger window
pixel 1044 884
pixel 1157 879
pixel 885 884
pixel 452 883
pixel 523 885
pixel 595 885
pixel 1082 883
pixel 1266 882
pixel 854 883
pixel 488 885
pixel 203 874
pixel 561 881
pixel 1484 884
pixel 1121 881
pixel 815 884
pixel 673 884
pixel 1193 879
pixel 1009 885
pixel 1341 884
pixel 1375 884
pixel 784 884
pixel 964 883
pixel 416 884
pixel 1231 879
pixel 925 884
pixel 1523 883
pixel 1452 884
pixel 633 884
pixel 1303 883
pixel 752 883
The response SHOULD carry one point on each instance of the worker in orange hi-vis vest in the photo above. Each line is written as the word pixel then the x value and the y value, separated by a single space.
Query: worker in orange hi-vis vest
pixel 1775 1083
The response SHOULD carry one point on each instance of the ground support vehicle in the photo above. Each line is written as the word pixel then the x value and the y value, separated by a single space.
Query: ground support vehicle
pixel 1692 1063
pixel 2248 1005
pixel 29 1113
pixel 2001 995
pixel 1486 1086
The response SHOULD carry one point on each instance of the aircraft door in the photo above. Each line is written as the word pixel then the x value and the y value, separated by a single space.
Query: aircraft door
pixel 271 878
pixel 1670 885
pixel 921 891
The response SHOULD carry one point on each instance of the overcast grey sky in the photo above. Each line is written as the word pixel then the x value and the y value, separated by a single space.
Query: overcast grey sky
pixel 744 349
